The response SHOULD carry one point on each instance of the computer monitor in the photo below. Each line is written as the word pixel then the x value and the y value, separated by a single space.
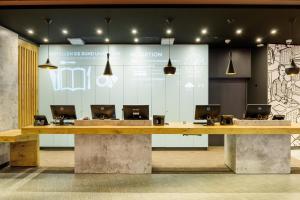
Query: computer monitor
pixel 63 112
pixel 258 111
pixel 136 112
pixel 205 112
pixel 103 111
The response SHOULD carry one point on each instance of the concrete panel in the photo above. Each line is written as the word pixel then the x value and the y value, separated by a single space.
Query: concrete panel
pixel 258 154
pixel 130 154
pixel 229 151
pixel 8 86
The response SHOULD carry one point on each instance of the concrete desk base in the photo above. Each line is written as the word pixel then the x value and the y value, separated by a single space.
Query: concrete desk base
pixel 258 154
pixel 130 154
pixel 112 153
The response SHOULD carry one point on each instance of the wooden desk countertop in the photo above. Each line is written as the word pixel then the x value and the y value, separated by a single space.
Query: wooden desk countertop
pixel 15 136
pixel 173 128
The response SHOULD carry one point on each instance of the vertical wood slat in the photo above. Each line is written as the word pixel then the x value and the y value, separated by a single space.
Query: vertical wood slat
pixel 28 55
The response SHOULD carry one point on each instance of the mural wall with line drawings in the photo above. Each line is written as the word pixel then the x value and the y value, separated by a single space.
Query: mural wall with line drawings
pixel 284 90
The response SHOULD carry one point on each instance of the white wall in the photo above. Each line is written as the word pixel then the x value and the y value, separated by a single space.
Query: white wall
pixel 138 79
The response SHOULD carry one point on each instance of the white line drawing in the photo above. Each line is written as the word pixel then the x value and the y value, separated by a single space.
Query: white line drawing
pixel 106 81
pixel 284 90
pixel 67 78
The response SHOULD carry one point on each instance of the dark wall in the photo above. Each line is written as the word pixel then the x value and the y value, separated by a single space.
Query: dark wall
pixel 258 83
pixel 219 59
pixel 233 93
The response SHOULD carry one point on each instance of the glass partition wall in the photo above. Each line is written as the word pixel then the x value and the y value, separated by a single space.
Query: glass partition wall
pixel 138 78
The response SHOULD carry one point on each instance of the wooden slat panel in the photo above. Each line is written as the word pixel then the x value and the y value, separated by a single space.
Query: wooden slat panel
pixel 27 82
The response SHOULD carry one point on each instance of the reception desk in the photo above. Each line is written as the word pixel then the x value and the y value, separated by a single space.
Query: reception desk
pixel 127 149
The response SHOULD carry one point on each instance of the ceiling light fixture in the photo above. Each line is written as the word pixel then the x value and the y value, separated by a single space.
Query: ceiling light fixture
pixel 293 69
pixel 48 64
pixel 99 31
pixel 198 40
pixel 30 31
pixel 136 40
pixel 204 31
pixel 46 40
pixel 65 31
pixel 169 69
pixel 258 40
pixel 107 70
pixel 239 31
pixel 134 31
pixel 230 68
pixel 169 31
pixel 106 40
pixel 273 31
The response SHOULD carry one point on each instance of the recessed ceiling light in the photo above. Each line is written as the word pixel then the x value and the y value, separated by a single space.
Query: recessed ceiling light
pixel 106 40
pixel 204 31
pixel 65 31
pixel 198 39
pixel 30 31
pixel 169 31
pixel 273 31
pixel 136 40
pixel 46 40
pixel 239 31
pixel 134 31
pixel 99 31
pixel 258 39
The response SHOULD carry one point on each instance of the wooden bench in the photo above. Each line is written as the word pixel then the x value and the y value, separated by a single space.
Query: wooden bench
pixel 24 149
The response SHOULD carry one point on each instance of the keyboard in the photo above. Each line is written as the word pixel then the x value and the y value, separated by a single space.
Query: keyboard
pixel 65 124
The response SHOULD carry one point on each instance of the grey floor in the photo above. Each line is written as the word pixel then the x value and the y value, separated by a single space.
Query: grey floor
pixel 60 183
pixel 45 183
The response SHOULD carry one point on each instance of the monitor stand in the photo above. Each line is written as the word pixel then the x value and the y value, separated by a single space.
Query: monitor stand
pixel 210 121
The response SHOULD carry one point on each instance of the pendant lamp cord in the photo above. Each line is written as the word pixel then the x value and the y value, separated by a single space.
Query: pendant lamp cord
pixel 108 33
pixel 169 47
pixel 292 20
pixel 230 50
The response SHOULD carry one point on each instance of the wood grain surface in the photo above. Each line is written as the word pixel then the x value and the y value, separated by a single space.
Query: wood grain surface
pixel 172 128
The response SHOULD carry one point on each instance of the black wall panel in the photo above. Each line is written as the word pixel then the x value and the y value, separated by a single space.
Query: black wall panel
pixel 234 92
pixel 219 59
pixel 231 94
pixel 258 83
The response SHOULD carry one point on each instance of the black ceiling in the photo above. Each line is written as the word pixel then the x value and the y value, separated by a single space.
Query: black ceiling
pixel 150 22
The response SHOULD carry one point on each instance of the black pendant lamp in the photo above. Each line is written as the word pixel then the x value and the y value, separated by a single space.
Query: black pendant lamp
pixel 107 70
pixel 293 69
pixel 48 64
pixel 169 69
pixel 230 68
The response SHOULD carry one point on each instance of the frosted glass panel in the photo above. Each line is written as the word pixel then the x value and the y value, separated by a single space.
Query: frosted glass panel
pixel 138 79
